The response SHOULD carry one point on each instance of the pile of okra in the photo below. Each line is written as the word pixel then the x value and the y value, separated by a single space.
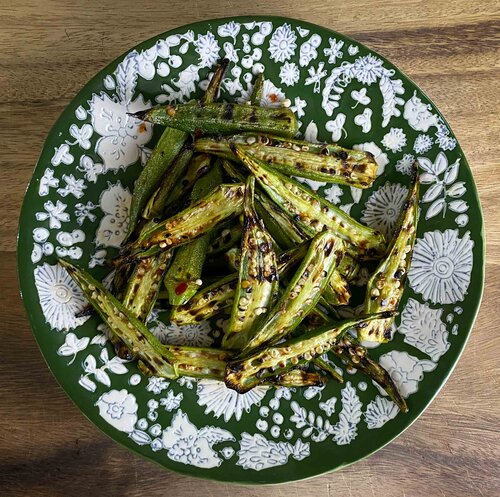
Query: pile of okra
pixel 219 225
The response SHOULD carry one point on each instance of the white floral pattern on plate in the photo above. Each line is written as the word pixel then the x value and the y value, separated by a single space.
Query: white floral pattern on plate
pixel 119 409
pixel 379 412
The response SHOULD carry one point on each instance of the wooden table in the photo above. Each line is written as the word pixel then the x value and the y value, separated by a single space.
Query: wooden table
pixel 49 49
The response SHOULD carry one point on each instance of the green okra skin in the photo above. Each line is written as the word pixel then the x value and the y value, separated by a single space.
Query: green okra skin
pixel 227 238
pixel 349 267
pixel 309 210
pixel 199 165
pixel 258 89
pixel 168 146
pixel 319 162
pixel 328 368
pixel 222 204
pixel 161 360
pixel 222 118
pixel 144 284
pixel 386 286
pixel 297 378
pixel 233 171
pixel 183 278
pixel 350 351
pixel 158 200
pixel 219 296
pixel 257 278
pixel 302 293
pixel 242 374
pixel 212 91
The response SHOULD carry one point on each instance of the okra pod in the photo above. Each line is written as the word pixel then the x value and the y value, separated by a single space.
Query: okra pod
pixel 350 350
pixel 213 88
pixel 223 203
pixel 302 293
pixel 258 89
pixel 222 118
pixel 233 258
pixel 245 373
pixel 225 239
pixel 296 378
pixel 328 368
pixel 292 157
pixel 385 287
pixel 257 279
pixel 183 278
pixel 161 360
pixel 209 301
pixel 144 284
pixel 312 211
pixel 155 206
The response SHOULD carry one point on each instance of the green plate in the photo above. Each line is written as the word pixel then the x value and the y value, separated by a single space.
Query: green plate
pixel 77 204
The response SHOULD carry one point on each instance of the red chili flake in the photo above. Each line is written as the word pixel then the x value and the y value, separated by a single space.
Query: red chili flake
pixel 273 97
pixel 180 289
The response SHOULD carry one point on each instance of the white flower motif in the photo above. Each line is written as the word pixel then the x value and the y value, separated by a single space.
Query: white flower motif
pixel 441 266
pixel 364 120
pixel 383 207
pixel 156 384
pixel 91 169
pixel 196 335
pixel 62 156
pixel 82 136
pixel 334 194
pixel 282 43
pixel 186 381
pixel 84 211
pixel 208 49
pixel 308 50
pixel 336 127
pixel 424 329
pixel 379 156
pixel 171 402
pixel 47 181
pixel 229 30
pixel 299 106
pixel 185 83
pixel 115 203
pixel 72 345
pixel 329 406
pixel 187 444
pixel 353 50
pixel 345 430
pixel 220 400
pixel 405 165
pixel 230 52
pixel 122 136
pixel 98 258
pixel 289 73
pixel 41 246
pixel 315 77
pixel 54 213
pixel 73 186
pixel 367 69
pixel 405 370
pixel 360 97
pixel 119 409
pixel 333 52
pixel 60 297
pixel 379 411
pixel 418 114
pixel 394 140
pixel 258 453
pixel 145 62
pixel 422 144
pixel 443 139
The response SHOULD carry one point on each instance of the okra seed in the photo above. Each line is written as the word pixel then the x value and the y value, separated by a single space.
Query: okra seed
pixel 294 360
pixel 375 292
pixel 251 140
pixel 296 147
pixel 355 359
pixel 163 245
pixel 305 148
pixel 198 282
pixel 307 356
pixel 286 103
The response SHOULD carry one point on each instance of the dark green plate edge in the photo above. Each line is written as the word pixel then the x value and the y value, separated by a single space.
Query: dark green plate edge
pixel 24 265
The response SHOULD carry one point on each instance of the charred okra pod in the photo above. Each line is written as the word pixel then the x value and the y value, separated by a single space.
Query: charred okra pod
pixel 257 279
pixel 162 360
pixel 297 378
pixel 258 89
pixel 245 373
pixel 386 285
pixel 317 161
pixel 233 258
pixel 225 239
pixel 183 278
pixel 302 293
pixel 311 210
pixel 223 203
pixel 218 118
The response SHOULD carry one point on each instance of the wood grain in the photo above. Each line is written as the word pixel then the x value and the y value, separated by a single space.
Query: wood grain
pixel 49 49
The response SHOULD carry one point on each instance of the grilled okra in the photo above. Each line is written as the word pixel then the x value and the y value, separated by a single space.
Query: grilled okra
pixel 233 258
pixel 257 279
pixel 316 161
pixel 247 372
pixel 328 368
pixel 302 293
pixel 162 360
pixel 312 211
pixel 183 278
pixel 258 89
pixel 223 203
pixel 225 239
pixel 222 118
pixel 209 301
pixel 386 285
pixel 297 378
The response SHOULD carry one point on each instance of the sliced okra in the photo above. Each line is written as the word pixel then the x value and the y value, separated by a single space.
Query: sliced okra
pixel 309 210
pixel 257 278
